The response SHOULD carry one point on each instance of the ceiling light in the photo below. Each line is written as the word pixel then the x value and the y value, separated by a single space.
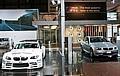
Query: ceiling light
pixel 46 27
pixel 113 1
pixel 53 27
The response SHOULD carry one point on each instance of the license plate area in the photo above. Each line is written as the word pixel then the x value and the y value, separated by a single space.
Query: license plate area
pixel 108 52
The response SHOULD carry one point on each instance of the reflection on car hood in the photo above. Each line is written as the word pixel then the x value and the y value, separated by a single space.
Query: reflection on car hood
pixel 24 52
pixel 102 44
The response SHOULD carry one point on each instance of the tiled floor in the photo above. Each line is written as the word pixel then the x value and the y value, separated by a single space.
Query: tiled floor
pixel 81 66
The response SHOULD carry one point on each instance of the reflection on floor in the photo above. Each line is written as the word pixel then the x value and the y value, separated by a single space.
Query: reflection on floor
pixel 53 65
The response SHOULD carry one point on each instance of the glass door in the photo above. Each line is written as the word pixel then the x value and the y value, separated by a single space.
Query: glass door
pixel 50 34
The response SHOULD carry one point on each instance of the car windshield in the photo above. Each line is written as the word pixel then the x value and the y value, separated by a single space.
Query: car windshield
pixel 26 45
pixel 98 39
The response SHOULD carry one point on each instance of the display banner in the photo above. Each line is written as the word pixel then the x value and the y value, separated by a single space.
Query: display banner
pixel 85 11
pixel 42 5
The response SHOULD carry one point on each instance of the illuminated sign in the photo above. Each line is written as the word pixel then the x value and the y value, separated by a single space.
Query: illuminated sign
pixel 25 4
pixel 85 11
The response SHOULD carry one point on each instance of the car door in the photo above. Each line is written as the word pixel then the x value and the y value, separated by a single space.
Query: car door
pixel 85 45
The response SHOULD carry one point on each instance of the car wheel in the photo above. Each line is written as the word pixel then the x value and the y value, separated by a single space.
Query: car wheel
pixel 82 51
pixel 0 63
pixel 91 53
pixel 115 56
pixel 43 63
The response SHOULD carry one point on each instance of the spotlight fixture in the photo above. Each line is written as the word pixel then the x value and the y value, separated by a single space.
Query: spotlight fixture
pixel 55 2
pixel 113 1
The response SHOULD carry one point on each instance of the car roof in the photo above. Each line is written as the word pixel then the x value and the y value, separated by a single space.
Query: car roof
pixel 26 42
pixel 29 41
pixel 94 36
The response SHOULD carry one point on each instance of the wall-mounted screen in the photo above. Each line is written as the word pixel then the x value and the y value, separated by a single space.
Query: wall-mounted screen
pixel 85 11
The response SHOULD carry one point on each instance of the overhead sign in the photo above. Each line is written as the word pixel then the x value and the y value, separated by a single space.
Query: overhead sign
pixel 85 11
pixel 25 4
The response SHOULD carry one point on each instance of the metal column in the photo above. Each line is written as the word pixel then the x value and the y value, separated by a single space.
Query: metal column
pixel 62 33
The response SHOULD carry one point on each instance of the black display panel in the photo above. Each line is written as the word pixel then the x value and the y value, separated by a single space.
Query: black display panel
pixel 42 5
pixel 85 11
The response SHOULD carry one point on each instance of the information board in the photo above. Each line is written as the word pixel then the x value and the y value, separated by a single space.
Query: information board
pixel 85 11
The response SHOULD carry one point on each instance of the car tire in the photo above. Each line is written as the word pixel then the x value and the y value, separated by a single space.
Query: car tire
pixel 0 63
pixel 82 51
pixel 91 53
pixel 43 63
pixel 44 56
pixel 115 56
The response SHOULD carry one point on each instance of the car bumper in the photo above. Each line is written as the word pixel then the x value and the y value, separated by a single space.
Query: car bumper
pixel 3 46
pixel 30 65
pixel 109 54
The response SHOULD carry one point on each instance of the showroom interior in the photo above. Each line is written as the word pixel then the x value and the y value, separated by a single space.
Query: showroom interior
pixel 44 24
pixel 48 25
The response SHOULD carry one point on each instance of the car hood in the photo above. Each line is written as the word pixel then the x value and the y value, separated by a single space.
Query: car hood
pixel 23 52
pixel 102 44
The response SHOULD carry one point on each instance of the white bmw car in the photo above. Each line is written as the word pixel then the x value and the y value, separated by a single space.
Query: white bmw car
pixel 25 55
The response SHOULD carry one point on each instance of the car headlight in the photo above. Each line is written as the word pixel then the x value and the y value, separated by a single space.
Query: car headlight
pixel 8 58
pixel 98 48
pixel 34 57
pixel 100 51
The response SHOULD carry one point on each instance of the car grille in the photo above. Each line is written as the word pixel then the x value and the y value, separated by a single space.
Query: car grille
pixel 24 58
pixel 16 58
pixel 20 58
pixel 107 48
pixel 110 48
pixel 20 64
